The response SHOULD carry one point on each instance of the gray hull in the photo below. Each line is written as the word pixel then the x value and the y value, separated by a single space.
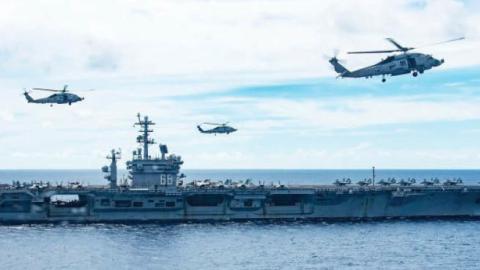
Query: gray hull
pixel 197 204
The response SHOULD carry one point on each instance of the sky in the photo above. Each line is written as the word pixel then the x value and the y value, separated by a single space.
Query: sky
pixel 260 65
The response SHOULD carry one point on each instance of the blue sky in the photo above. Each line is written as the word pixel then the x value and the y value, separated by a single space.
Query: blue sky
pixel 258 64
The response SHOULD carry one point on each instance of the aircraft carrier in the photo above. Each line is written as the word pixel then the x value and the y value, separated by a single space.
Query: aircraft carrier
pixel 156 192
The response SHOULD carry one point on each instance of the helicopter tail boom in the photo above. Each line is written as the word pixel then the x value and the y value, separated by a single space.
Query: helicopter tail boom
pixel 200 129
pixel 28 97
pixel 341 70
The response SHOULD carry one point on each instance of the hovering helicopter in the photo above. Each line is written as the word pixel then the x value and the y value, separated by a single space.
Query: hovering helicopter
pixel 62 96
pixel 393 65
pixel 220 129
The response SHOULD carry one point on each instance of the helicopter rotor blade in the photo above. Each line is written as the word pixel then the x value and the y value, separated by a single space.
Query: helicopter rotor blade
pixel 400 47
pixel 405 49
pixel 64 90
pixel 85 90
pixel 450 40
pixel 442 42
pixel 213 124
pixel 79 90
pixel 47 89
pixel 380 51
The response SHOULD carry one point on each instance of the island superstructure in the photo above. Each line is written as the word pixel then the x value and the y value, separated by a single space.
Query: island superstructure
pixel 155 191
pixel 152 173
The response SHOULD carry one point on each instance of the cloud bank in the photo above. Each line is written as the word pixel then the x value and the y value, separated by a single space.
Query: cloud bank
pixel 186 62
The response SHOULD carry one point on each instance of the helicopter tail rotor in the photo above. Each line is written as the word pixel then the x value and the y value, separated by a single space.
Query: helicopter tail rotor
pixel 335 54
pixel 27 96
pixel 336 62
pixel 339 68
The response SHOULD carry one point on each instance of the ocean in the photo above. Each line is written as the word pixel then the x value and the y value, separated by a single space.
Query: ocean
pixel 394 244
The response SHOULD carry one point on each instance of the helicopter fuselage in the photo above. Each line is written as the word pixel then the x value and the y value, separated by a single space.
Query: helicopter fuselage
pixel 58 98
pixel 395 65
pixel 398 65
pixel 220 129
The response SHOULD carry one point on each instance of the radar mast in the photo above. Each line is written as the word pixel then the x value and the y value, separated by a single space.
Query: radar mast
pixel 152 172
pixel 145 131
pixel 112 169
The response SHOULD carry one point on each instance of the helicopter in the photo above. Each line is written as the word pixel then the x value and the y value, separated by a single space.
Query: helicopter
pixel 393 65
pixel 62 96
pixel 220 129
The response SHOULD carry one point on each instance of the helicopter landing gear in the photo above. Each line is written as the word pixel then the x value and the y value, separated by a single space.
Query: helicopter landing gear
pixel 383 79
pixel 51 105
pixel 69 103
pixel 415 74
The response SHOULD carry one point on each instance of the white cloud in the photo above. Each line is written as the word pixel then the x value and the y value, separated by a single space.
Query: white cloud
pixel 243 41
pixel 137 54
pixel 7 116
pixel 348 113
pixel 273 132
